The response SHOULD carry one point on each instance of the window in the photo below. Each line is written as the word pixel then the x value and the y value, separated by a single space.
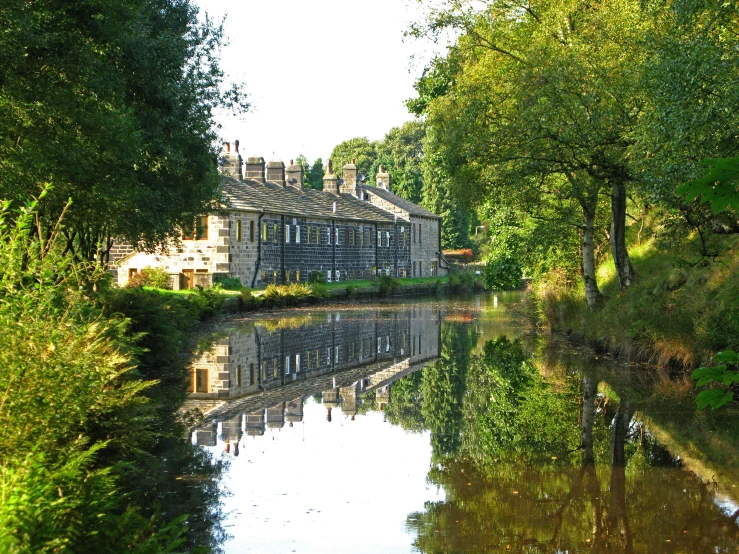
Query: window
pixel 379 344
pixel 361 238
pixel 387 238
pixel 367 238
pixel 310 232
pixel 251 374
pixel 413 234
pixel 337 238
pixel 328 236
pixel 238 230
pixel 264 276
pixel 351 237
pixel 434 268
pixel 379 238
pixel 328 276
pixel 297 234
pixel 251 231
pixel 316 235
pixel 297 363
pixel 274 367
pixel 287 233
pixel 201 380
pixel 287 275
pixel 201 228
pixel 275 232
pixel 391 239
pixel 238 376
pixel 420 233
pixel 297 276
pixel 287 365
pixel 264 232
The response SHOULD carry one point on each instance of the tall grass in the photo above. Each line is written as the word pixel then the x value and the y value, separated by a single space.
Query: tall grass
pixel 74 408
pixel 675 315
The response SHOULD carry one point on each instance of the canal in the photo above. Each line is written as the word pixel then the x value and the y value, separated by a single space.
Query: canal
pixel 441 425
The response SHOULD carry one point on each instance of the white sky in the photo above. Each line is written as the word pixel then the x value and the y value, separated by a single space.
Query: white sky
pixel 318 72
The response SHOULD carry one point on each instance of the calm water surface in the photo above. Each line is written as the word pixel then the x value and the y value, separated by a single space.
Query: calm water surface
pixel 436 426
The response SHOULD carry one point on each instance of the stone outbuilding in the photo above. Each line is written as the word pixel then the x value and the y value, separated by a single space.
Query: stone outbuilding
pixel 271 229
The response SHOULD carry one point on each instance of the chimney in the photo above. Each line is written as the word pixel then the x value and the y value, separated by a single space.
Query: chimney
pixel 383 179
pixel 230 161
pixel 349 185
pixel 255 169
pixel 295 174
pixel 276 173
pixel 330 181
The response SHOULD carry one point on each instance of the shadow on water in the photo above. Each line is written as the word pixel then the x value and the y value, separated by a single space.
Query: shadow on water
pixel 536 447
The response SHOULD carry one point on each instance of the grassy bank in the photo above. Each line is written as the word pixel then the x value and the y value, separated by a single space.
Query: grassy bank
pixel 677 314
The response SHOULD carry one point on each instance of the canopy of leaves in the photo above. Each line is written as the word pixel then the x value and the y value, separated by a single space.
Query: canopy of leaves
pixel 112 103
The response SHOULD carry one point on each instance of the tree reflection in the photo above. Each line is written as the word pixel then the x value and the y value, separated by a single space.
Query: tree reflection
pixel 547 464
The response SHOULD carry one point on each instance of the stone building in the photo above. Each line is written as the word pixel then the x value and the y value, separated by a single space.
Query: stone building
pixel 272 229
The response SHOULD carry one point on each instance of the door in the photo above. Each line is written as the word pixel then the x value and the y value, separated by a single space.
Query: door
pixel 187 278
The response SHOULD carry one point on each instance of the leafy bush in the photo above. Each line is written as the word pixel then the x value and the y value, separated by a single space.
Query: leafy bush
pixel 387 284
pixel 209 302
pixel 724 377
pixel 151 277
pixel 70 383
pixel 318 278
pixel 503 272
pixel 227 283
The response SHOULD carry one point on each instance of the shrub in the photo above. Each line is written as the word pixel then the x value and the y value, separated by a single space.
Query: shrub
pixel 248 300
pixel 209 302
pixel 387 284
pixel 227 283
pixel 318 278
pixel 503 272
pixel 151 277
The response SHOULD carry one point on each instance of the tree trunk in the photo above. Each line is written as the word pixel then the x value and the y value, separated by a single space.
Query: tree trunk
pixel 624 269
pixel 618 520
pixel 592 293
pixel 589 392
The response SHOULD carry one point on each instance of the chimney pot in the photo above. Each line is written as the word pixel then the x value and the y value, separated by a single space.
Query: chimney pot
pixel 255 168
pixel 276 172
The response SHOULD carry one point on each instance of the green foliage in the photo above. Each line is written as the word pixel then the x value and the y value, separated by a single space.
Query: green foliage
pixel 718 186
pixel 725 375
pixel 76 407
pixel 359 149
pixel 290 295
pixel 387 284
pixel 112 103
pixel 503 272
pixel 227 283
pixel 151 277
pixel 317 278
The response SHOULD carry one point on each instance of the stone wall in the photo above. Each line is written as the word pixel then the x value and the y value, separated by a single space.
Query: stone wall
pixel 204 257
pixel 425 247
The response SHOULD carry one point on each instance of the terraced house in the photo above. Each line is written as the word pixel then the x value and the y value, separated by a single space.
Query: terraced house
pixel 273 230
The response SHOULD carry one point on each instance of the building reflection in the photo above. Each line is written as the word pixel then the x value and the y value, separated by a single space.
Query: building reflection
pixel 258 379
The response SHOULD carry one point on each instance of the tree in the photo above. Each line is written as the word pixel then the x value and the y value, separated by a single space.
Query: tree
pixel 359 149
pixel 112 103
pixel 538 100
pixel 401 154
pixel 315 175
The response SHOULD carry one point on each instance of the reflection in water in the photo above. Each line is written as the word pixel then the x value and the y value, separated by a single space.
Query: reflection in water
pixel 526 458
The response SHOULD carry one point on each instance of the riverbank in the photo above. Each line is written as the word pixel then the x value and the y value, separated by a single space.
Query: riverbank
pixel 677 314
pixel 215 301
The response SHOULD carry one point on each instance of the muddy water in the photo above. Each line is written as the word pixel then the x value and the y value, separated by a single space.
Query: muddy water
pixel 437 426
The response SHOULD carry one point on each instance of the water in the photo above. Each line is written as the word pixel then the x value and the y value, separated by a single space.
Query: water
pixel 437 425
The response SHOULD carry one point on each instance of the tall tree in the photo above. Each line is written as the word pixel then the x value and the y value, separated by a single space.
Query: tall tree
pixel 315 175
pixel 112 104
pixel 401 153
pixel 541 94
pixel 360 149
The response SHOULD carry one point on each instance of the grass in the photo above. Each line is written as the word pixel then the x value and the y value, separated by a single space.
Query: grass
pixel 675 315
pixel 188 292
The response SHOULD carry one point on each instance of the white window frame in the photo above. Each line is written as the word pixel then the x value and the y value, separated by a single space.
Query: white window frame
pixel 328 276
pixel 387 233
pixel 297 234
pixel 297 363
pixel 337 238
pixel 287 233
pixel 379 344
pixel 287 365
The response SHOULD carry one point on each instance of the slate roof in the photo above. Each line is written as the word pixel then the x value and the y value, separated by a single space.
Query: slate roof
pixel 254 196
pixel 401 203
